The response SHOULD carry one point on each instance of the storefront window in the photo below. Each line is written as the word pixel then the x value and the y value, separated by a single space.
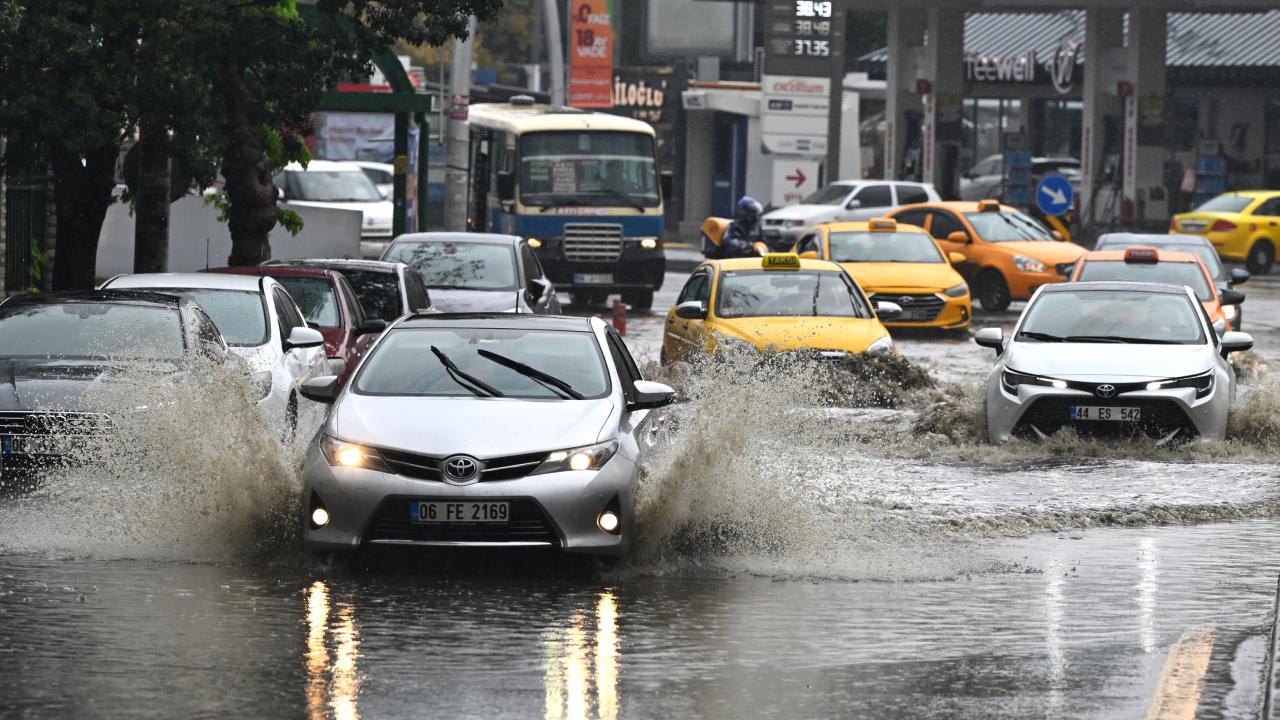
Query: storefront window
pixel 986 121
pixel 1060 128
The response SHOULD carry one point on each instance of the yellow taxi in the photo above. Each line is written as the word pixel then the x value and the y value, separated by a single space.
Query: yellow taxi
pixel 1007 253
pixel 1149 264
pixel 777 302
pixel 1242 226
pixel 899 264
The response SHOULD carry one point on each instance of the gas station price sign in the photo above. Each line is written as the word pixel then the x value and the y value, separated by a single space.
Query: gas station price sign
pixel 803 37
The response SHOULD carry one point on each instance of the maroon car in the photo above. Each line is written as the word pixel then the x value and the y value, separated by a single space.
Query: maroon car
pixel 329 305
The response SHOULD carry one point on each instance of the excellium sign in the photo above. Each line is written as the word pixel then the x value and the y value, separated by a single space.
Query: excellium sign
pixel 1025 67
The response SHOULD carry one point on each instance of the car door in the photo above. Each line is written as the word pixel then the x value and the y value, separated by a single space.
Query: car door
pixel 810 243
pixel 868 201
pixel 683 337
pixel 359 343
pixel 942 223
pixel 301 364
pixel 1268 215
pixel 641 430
pixel 910 193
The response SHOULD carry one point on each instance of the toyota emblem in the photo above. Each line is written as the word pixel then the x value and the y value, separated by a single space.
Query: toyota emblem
pixel 460 469
pixel 905 300
pixel 1105 391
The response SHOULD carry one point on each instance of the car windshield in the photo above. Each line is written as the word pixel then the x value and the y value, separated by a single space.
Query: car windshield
pixel 1173 273
pixel 903 247
pixel 315 298
pixel 829 195
pixel 588 168
pixel 239 314
pixel 779 293
pixel 331 186
pixel 1226 204
pixel 91 331
pixel 459 265
pixel 1117 316
pixel 1006 226
pixel 378 293
pixel 405 364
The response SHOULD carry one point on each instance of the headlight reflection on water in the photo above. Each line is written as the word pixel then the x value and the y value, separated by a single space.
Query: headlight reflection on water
pixel 333 683
pixel 577 664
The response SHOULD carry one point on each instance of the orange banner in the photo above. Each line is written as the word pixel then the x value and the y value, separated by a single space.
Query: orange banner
pixel 591 55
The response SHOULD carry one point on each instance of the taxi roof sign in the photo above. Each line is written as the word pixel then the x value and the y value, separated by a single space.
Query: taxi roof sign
pixel 988 205
pixel 780 261
pixel 1141 255
pixel 882 224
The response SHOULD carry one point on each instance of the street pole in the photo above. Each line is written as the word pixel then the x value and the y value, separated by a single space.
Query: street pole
pixel 456 175
pixel 555 49
pixel 835 109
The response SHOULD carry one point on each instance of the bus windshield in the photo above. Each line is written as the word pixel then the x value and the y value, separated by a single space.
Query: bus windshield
pixel 588 168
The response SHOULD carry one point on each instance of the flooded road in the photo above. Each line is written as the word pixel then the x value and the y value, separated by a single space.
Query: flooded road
pixel 834 562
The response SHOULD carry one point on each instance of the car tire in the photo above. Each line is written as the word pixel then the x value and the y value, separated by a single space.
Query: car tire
pixel 1262 255
pixel 993 291
pixel 638 299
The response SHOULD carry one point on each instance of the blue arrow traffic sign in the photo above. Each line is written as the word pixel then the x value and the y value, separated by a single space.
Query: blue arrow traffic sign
pixel 1054 195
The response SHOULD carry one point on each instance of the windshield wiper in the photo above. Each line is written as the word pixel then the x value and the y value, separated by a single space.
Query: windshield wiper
pixel 1120 339
pixel 1043 337
pixel 459 377
pixel 625 196
pixel 552 205
pixel 531 372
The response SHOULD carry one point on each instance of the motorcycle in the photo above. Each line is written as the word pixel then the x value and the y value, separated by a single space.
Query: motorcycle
pixel 713 231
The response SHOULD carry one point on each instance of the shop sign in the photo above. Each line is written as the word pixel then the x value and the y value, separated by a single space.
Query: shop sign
pixel 803 48
pixel 1025 67
pixel 643 93
pixel 591 54
pixel 793 118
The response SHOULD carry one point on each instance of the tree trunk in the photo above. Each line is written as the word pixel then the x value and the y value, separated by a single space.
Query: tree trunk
pixel 151 213
pixel 249 187
pixel 82 193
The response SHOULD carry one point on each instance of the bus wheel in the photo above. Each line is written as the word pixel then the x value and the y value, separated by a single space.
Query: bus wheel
pixel 638 299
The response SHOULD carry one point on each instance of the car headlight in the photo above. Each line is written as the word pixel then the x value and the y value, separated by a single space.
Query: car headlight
pixel 884 345
pixel 793 223
pixel 261 384
pixel 1203 384
pixel 648 243
pixel 729 343
pixel 589 457
pixel 1026 264
pixel 1011 379
pixel 345 454
pixel 1229 312
pixel 958 291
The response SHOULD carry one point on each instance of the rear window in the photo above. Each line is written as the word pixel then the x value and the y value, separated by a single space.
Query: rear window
pixel 378 293
pixel 241 315
pixel 1006 226
pixel 315 298
pixel 1226 203
pixel 1173 273
pixel 902 247
pixel 459 265
pixel 90 331
pixel 829 195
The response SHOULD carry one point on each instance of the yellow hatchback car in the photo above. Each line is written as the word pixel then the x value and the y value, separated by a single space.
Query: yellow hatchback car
pixel 778 302
pixel 1242 226
pixel 899 264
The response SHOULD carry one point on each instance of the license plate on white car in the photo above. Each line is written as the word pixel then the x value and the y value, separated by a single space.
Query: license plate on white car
pixel 1105 413
pixel 459 512
pixel 593 278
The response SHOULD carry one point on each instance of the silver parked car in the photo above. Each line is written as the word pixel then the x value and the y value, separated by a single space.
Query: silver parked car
pixel 1111 358
pixel 477 272
pixel 483 430
pixel 840 201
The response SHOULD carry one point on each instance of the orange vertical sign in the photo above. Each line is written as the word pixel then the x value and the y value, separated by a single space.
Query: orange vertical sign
pixel 591 55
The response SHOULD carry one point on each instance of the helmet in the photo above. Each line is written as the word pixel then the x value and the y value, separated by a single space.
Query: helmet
pixel 748 207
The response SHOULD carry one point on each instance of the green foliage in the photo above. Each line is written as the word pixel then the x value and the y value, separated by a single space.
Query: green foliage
pixel 35 272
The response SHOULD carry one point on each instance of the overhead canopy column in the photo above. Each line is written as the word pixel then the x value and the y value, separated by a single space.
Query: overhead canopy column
pixel 1144 113
pixel 1103 33
pixel 944 106
pixel 902 104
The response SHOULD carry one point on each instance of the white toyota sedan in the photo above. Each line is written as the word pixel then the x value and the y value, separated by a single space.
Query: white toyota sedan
pixel 1111 358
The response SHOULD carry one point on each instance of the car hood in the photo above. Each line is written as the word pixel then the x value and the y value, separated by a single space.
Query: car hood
pixel 455 301
pixel 1094 361
pixel 881 277
pixel 379 209
pixel 258 357
pixel 804 333
pixel 1052 253
pixel 56 385
pixel 483 427
pixel 809 213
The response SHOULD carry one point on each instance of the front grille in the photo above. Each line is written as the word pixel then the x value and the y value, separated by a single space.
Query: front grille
pixel 427 467
pixel 22 422
pixel 915 307
pixel 528 524
pixel 1159 418
pixel 592 242
pixel 1065 269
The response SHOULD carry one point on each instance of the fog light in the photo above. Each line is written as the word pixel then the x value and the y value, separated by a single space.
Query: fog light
pixel 1154 385
pixel 1060 384
pixel 350 456
pixel 319 517
pixel 579 461
pixel 608 521
pixel 648 243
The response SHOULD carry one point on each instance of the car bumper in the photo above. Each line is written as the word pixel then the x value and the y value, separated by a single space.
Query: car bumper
pixel 1040 411
pixel 635 267
pixel 554 510
pixel 1022 285
pixel 939 311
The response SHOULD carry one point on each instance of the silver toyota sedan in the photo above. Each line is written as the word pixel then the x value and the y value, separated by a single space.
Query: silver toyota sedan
pixel 482 430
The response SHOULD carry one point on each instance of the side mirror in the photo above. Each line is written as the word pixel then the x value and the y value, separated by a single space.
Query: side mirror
pixel 303 337
pixel 959 236
pixel 691 310
pixel 888 310
pixel 810 254
pixel 506 186
pixel 386 192
pixel 1231 297
pixel 651 395
pixel 538 287
pixel 956 258
pixel 854 203
pixel 1233 342
pixel 1239 276
pixel 666 179
pixel 990 338
pixel 321 389
pixel 1057 236
pixel 372 325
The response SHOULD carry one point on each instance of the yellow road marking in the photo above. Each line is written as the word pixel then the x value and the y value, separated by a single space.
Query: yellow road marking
pixel 1178 693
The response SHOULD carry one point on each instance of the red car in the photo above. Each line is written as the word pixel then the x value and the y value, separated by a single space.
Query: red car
pixel 329 305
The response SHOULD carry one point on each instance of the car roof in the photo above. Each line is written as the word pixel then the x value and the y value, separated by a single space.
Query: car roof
pixel 964 206
pixel 755 263
pixel 1251 193
pixel 457 237
pixel 1137 287
pixel 132 297
pixel 338 264
pixel 1165 256
pixel 1125 238
pixel 278 271
pixel 322 166
pixel 194 281
pixel 498 321
pixel 855 226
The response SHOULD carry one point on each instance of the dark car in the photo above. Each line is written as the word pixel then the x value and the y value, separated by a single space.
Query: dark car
pixel 329 305
pixel 386 290
pixel 1196 245
pixel 477 272
pixel 60 355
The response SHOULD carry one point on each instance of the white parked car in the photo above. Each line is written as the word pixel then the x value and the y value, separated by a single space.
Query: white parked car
pixel 383 175
pixel 985 181
pixel 1111 358
pixel 342 186
pixel 261 324
pixel 841 201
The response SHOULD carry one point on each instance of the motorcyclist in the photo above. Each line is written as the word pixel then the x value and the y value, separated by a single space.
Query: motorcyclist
pixel 744 232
